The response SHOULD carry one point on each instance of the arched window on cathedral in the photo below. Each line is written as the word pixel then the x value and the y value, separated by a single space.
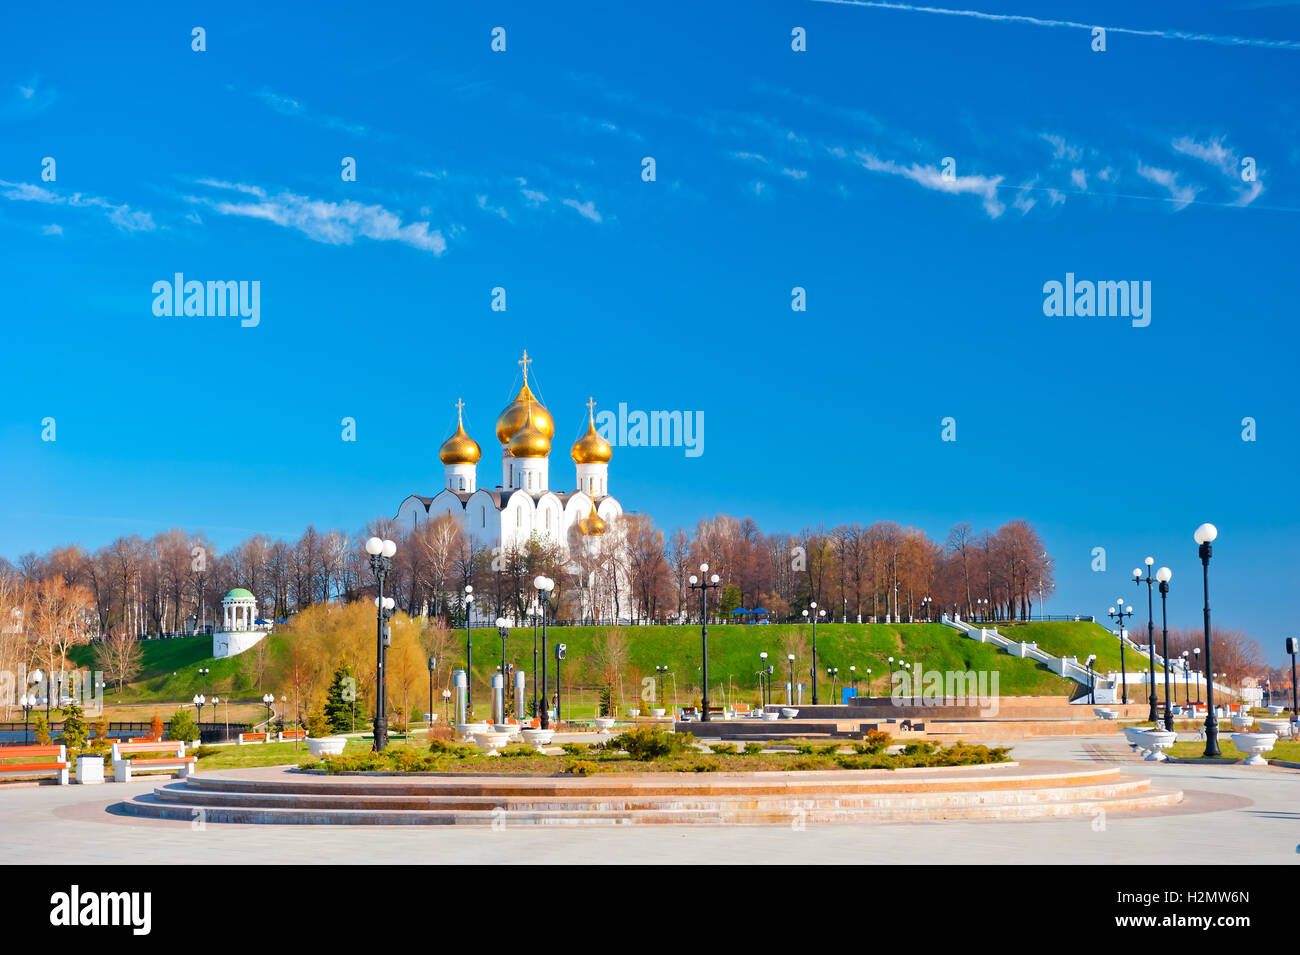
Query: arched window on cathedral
pixel 519 517
pixel 548 518
pixel 462 484
pixel 482 516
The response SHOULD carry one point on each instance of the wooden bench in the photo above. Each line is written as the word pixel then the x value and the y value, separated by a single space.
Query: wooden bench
pixel 141 739
pixel 176 758
pixel 54 762
pixel 245 738
pixel 292 736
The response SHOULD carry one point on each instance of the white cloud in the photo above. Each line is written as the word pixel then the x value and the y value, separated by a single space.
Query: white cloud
pixel 495 210
pixel 585 209
pixel 288 106
pixel 52 230
pixel 121 215
pixel 1224 159
pixel 1181 195
pixel 930 177
pixel 321 220
pixel 1079 179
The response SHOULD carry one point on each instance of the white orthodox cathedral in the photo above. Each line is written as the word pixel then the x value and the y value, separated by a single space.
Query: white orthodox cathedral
pixel 523 504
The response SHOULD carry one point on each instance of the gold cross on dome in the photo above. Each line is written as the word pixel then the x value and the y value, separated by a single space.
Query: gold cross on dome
pixel 460 410
pixel 524 361
pixel 591 407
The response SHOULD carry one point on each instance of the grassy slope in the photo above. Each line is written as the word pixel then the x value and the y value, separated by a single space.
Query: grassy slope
pixel 171 666
pixel 1061 638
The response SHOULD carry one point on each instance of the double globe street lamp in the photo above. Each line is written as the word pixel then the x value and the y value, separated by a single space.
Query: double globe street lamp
pixel 812 613
pixel 704 586
pixel 381 551
pixel 1204 537
pixel 1151 630
pixel 1118 616
pixel 1164 575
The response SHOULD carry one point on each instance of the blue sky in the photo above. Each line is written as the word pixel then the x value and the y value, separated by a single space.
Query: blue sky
pixel 775 169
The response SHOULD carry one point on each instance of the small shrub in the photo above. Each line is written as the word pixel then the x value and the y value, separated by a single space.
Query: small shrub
pixel 805 765
pixel 156 726
pixel 318 726
pixel 723 749
pixel 650 742
pixel 581 767
pixel 183 726
pixel 447 748
pixel 804 748
pixel 575 749
pixel 200 751
pixel 753 748
pixel 41 730
pixel 830 750
pixel 704 766
pixel 875 742
pixel 517 750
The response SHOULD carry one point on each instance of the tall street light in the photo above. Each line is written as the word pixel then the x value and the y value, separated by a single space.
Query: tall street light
pixel 812 613
pixel 199 700
pixel 1164 575
pixel 661 680
pixel 789 695
pixel 28 702
pixel 704 586
pixel 503 631
pixel 764 696
pixel 469 652
pixel 433 663
pixel 267 700
pixel 1151 630
pixel 1119 615
pixel 544 586
pixel 1204 537
pixel 381 551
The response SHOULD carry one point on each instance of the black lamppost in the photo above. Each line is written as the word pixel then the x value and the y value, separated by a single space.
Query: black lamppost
pixel 1151 629
pixel 203 680
pixel 661 679
pixel 469 654
pixel 1118 616
pixel 704 586
pixel 27 701
pixel 891 678
pixel 381 553
pixel 503 630
pixel 544 586
pixel 1293 647
pixel 199 700
pixel 853 675
pixel 911 680
pixel 1092 682
pixel 1164 575
pixel 1187 684
pixel 764 695
pixel 1204 537
pixel 537 706
pixel 834 674
pixel 925 602
pixel 267 700
pixel 868 683
pixel 789 696
pixel 812 613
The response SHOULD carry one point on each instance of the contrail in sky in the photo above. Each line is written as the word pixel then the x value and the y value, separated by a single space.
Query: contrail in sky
pixel 1070 24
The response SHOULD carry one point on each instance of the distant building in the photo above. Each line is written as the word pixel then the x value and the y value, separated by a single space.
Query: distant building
pixel 240 627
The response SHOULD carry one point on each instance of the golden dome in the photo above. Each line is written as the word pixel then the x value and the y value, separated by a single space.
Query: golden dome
pixel 591 448
pixel 516 413
pixel 530 441
pixel 460 448
pixel 591 525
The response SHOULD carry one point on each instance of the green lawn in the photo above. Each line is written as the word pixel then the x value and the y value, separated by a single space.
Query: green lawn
pixel 1288 750
pixel 170 671
pixel 266 754
pixel 1066 638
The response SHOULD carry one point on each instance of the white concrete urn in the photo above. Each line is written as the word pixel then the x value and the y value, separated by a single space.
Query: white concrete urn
pixel 1105 714
pixel 465 732
pixel 634 713
pixel 513 729
pixel 771 715
pixel 90 769
pixel 789 712
pixel 1255 744
pixel 1155 742
pixel 538 737
pixel 658 712
pixel 327 745
pixel 491 741
pixel 1275 710
pixel 1279 728
pixel 604 723
pixel 1241 722
pixel 1131 733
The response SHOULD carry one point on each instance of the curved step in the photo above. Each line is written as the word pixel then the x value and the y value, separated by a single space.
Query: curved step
pixel 1127 786
pixel 149 806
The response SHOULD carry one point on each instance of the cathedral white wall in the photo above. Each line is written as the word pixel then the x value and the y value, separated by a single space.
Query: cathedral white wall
pixel 593 479
pixel 460 477
pixel 410 513
pixel 531 474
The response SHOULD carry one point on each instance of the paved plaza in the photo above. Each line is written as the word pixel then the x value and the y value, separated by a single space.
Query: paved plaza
pixel 1231 814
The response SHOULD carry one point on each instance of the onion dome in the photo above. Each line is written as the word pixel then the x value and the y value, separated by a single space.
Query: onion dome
pixel 591 448
pixel 591 525
pixel 516 413
pixel 530 441
pixel 460 448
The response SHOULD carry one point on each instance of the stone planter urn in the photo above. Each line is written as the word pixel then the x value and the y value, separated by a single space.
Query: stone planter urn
pixel 327 745
pixel 90 770
pixel 465 732
pixel 491 741
pixel 1279 728
pixel 1155 742
pixel 538 737
pixel 771 715
pixel 634 713
pixel 604 723
pixel 789 712
pixel 1255 744
pixel 1242 723
pixel 1131 733
pixel 1102 713
pixel 658 712
pixel 1276 710
pixel 513 729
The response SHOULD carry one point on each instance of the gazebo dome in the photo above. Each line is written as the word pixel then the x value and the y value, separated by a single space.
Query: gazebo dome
pixel 239 593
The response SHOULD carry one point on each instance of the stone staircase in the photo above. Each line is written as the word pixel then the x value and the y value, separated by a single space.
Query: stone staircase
pixel 1000 791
